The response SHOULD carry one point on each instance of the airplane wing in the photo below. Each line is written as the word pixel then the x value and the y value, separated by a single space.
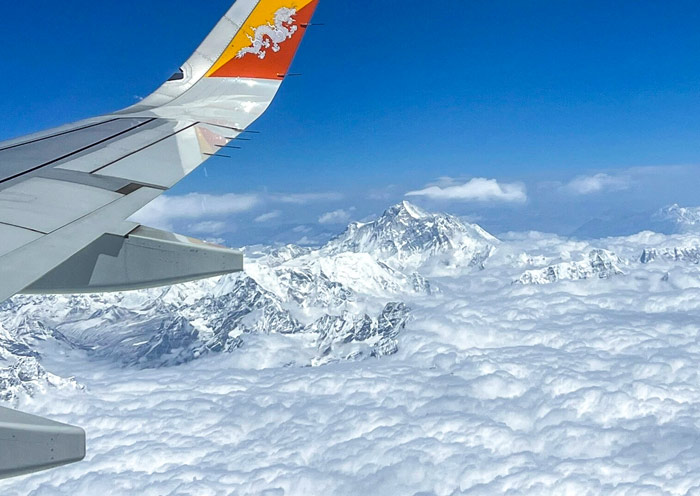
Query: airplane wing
pixel 66 193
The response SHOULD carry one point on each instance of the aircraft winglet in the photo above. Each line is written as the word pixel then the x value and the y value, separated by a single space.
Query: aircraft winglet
pixel 256 39
pixel 267 42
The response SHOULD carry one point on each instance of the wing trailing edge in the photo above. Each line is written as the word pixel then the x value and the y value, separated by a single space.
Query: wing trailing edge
pixel 144 258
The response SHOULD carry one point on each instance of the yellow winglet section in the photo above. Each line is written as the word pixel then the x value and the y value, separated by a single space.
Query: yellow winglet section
pixel 267 42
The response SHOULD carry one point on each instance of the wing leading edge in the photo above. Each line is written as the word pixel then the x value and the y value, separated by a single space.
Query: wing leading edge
pixel 65 194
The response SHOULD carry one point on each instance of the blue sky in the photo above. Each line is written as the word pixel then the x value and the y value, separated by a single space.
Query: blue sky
pixel 589 109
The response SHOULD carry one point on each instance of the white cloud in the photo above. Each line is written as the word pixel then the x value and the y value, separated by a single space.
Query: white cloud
pixel 588 185
pixel 268 216
pixel 336 217
pixel 166 210
pixel 477 189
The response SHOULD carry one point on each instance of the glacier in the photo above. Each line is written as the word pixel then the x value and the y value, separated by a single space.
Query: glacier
pixel 414 354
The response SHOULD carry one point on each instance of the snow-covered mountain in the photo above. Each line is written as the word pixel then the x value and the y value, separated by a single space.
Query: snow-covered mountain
pixel 597 263
pixel 676 254
pixel 347 300
pixel 680 219
pixel 407 237
pixel 345 304
pixel 21 372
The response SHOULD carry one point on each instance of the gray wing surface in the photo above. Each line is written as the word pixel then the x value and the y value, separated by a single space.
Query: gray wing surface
pixel 66 194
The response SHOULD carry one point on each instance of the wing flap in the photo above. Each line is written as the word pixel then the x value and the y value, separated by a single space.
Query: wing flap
pixel 28 263
pixel 143 259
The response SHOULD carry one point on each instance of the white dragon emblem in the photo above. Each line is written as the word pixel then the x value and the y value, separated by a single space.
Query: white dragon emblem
pixel 269 36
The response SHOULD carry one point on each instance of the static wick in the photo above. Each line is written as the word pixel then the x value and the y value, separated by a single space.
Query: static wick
pixel 243 131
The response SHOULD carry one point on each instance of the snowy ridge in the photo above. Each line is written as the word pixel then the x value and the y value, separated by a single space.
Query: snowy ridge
pixel 686 249
pixel 21 373
pixel 348 337
pixel 598 263
pixel 409 238
pixel 675 254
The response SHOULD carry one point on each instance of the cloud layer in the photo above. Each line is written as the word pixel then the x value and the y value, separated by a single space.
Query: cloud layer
pixel 576 387
pixel 475 190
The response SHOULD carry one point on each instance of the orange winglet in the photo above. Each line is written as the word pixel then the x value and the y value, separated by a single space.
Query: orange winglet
pixel 265 46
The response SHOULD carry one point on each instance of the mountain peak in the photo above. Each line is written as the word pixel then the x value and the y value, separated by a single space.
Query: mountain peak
pixel 407 236
pixel 407 209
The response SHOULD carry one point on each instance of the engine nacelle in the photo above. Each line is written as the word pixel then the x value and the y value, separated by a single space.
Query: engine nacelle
pixel 31 444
